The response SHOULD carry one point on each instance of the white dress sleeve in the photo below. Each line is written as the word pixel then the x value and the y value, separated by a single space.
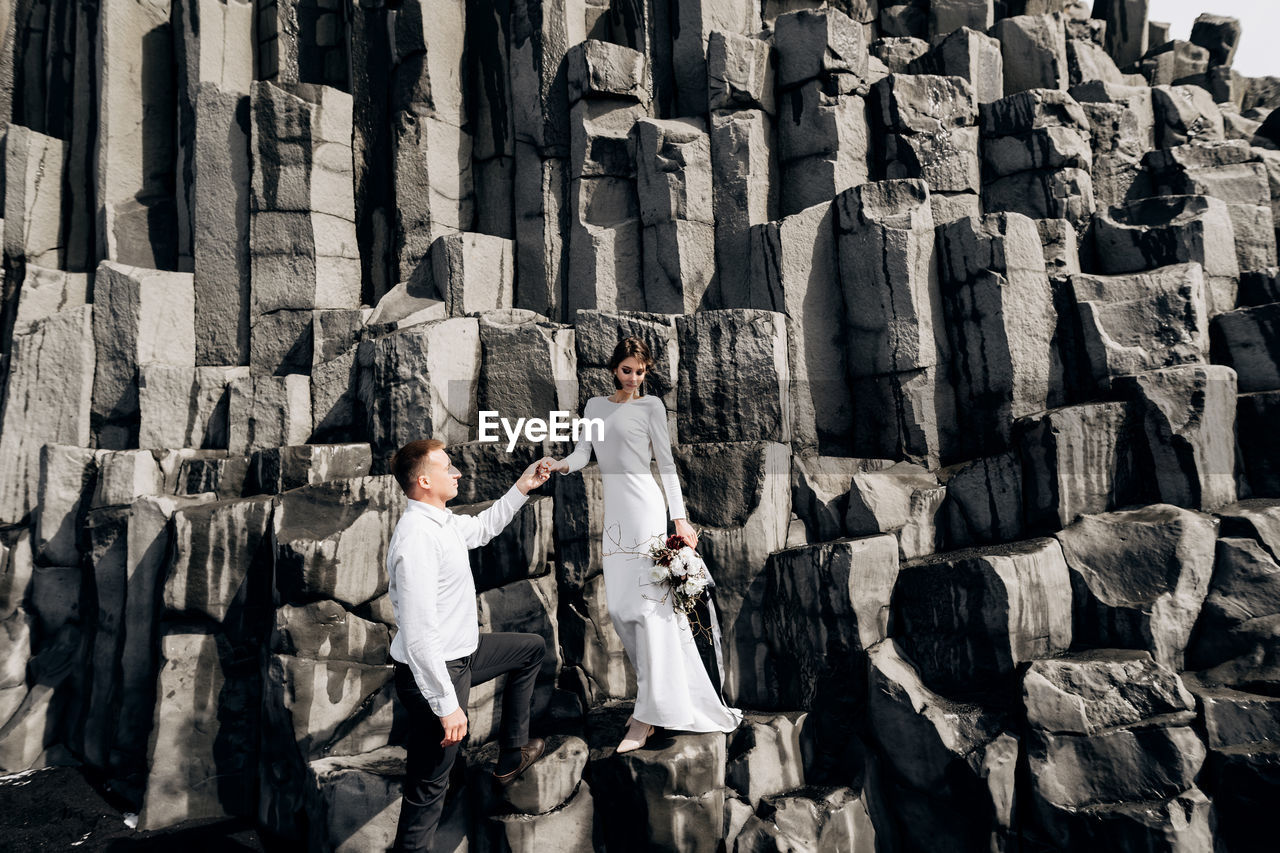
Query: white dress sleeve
pixel 581 454
pixel 660 438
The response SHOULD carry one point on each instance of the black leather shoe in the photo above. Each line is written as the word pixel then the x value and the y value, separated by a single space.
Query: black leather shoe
pixel 529 753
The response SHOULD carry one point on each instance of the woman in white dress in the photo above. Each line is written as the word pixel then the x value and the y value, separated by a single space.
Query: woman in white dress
pixel 673 689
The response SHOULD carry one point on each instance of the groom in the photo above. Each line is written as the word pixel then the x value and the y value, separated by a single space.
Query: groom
pixel 439 651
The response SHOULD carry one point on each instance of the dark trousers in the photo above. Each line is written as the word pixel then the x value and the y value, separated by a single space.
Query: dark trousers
pixel 427 769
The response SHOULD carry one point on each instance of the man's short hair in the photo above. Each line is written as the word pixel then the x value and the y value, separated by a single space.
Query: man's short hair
pixel 407 461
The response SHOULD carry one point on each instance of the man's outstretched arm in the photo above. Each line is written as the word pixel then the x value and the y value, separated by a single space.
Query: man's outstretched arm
pixel 479 529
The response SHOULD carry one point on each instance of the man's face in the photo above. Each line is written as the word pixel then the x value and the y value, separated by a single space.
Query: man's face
pixel 440 476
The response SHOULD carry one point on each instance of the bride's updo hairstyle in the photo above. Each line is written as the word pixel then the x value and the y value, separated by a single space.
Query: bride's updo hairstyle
pixel 631 347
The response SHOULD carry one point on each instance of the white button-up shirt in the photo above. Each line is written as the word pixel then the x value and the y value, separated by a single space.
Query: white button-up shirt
pixel 433 593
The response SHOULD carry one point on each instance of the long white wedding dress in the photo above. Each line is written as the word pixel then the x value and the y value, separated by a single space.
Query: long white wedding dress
pixel 673 689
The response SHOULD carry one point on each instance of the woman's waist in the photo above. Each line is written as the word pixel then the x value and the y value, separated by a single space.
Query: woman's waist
pixel 627 477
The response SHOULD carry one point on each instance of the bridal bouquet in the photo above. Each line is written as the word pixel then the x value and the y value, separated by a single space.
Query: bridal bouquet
pixel 680 568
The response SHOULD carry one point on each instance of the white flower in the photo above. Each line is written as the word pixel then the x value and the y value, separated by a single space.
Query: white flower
pixel 658 573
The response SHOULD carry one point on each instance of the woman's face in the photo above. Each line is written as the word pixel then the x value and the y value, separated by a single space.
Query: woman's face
pixel 630 373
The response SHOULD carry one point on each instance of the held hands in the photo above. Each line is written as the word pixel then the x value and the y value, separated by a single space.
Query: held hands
pixel 455 727
pixel 535 475
pixel 559 466
pixel 685 530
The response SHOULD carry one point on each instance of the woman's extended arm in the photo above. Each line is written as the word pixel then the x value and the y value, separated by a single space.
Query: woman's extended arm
pixel 581 455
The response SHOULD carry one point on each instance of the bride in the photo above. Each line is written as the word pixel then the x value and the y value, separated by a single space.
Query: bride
pixel 673 689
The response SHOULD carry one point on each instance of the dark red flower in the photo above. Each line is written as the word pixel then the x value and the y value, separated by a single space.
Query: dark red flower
pixel 675 541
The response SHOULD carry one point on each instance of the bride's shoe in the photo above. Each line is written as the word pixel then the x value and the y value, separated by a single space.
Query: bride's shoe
pixel 637 734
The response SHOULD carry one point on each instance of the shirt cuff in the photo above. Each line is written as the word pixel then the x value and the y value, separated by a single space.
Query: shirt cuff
pixel 443 706
pixel 515 497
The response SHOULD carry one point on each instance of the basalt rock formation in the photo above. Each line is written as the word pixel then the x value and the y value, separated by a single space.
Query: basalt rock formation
pixel 966 315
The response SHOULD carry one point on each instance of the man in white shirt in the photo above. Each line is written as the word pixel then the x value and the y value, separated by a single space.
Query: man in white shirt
pixel 438 650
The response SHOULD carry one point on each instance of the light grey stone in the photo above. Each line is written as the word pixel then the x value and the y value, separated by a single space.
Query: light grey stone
pixel 898 52
pixel 744 185
pixel 1174 62
pixel 794 271
pixel 740 73
pixel 268 411
pixel 1034 49
pixel 194 739
pixel 472 272
pixel 1150 602
pixel 1118 319
pixel 737 538
pixel 216 547
pixel 330 539
pixel 421 382
pixel 67 476
pixel 946 16
pixel 528 366
pixel 1079 460
pixel 814 820
pixel 820 491
pixel 184 406
pixel 552 781
pixel 889 278
pixel 431 137
pixel 1122 123
pixel 823 143
pixel 324 630
pixel 1185 114
pixel 673 171
pixel 140 316
pixel 600 70
pixel 45 292
pixel 541 34
pixel 692 24
pixel 33 223
pixel 1244 598
pixel 1024 592
pixel 680 788
pixel 357 800
pixel 276 470
pixel 1004 355
pixel 1191 228
pixel 906 415
pixel 902 500
pixel 923 735
pixel 1087 693
pixel 124 476
pixel 1188 415
pixel 217 194
pixel 769 755
pixel 1128 765
pixel 568 828
pixel 48 400
pixel 970 54
pixel 135 143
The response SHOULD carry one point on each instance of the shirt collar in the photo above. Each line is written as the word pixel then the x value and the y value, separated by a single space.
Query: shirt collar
pixel 435 513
